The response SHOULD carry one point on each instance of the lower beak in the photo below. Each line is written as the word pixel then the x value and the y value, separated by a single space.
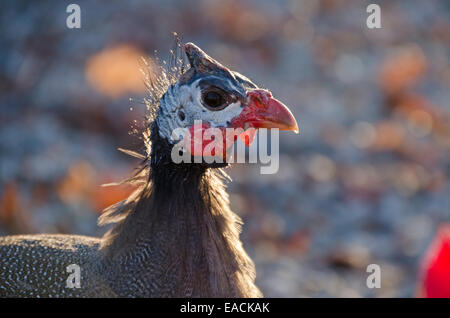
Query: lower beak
pixel 264 111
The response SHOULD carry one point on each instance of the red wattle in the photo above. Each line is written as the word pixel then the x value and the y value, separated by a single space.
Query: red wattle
pixel 248 136
pixel 199 142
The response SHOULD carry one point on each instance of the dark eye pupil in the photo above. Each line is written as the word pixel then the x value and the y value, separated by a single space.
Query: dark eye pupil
pixel 213 99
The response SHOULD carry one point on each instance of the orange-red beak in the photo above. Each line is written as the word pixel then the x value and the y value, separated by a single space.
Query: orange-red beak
pixel 264 111
pixel 260 111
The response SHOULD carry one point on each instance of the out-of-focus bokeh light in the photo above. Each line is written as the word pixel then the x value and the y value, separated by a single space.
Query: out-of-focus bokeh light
pixel 365 181
pixel 115 71
pixel 403 68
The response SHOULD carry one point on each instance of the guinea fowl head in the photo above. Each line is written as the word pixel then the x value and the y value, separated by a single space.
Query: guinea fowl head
pixel 211 96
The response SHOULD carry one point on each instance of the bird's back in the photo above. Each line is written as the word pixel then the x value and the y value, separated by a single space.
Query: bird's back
pixel 42 265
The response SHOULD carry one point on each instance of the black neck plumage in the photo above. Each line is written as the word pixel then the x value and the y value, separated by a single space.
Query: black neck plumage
pixel 180 220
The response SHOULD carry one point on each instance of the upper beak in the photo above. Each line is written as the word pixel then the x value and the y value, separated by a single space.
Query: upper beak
pixel 264 111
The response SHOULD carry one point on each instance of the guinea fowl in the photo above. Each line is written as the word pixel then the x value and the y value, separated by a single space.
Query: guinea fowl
pixel 176 235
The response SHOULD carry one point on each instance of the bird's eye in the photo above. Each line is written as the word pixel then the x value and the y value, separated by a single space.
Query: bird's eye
pixel 214 100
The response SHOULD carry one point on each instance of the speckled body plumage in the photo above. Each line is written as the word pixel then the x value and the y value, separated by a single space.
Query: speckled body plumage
pixel 36 266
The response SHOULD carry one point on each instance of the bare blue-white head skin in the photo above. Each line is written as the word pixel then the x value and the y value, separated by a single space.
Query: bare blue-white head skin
pixel 218 97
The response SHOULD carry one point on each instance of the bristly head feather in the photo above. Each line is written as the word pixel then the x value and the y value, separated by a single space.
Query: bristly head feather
pixel 158 77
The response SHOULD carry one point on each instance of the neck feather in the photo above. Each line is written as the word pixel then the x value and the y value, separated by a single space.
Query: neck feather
pixel 180 232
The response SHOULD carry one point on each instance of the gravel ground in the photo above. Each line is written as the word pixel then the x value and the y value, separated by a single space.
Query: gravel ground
pixel 365 181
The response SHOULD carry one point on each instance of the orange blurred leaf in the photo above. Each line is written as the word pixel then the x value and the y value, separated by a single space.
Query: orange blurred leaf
pixel 115 71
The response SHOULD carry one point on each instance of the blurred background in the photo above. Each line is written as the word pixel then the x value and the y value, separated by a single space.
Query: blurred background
pixel 365 181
